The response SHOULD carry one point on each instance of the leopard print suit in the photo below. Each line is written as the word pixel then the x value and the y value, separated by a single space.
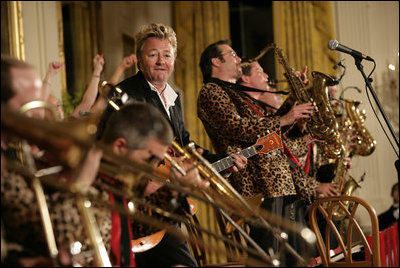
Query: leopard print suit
pixel 24 229
pixel 231 122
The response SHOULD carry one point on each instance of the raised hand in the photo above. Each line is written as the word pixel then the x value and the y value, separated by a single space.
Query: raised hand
pixel 98 63
pixel 129 61
pixel 55 67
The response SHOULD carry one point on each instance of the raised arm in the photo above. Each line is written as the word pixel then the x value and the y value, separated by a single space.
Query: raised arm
pixel 89 97
pixel 54 68
pixel 127 62
pixel 101 102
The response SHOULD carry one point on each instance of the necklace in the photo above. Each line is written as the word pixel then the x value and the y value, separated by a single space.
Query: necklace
pixel 162 91
pixel 162 95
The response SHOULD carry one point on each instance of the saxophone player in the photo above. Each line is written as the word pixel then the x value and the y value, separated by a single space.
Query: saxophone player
pixel 314 166
pixel 254 77
pixel 233 119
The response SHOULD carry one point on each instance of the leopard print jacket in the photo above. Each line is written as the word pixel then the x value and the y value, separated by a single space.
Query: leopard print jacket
pixel 299 148
pixel 232 123
pixel 23 225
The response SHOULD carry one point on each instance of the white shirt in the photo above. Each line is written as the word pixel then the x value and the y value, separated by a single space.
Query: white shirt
pixel 169 94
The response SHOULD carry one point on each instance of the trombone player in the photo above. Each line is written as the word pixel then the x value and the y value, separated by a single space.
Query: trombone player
pixel 20 84
pixel 145 138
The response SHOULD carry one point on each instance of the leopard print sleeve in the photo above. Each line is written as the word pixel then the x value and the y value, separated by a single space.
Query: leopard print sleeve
pixel 224 112
pixel 20 212
pixel 305 185
pixel 297 146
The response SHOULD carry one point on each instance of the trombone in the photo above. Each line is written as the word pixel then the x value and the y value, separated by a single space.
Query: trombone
pixel 112 94
pixel 26 158
pixel 222 191
pixel 222 188
pixel 67 140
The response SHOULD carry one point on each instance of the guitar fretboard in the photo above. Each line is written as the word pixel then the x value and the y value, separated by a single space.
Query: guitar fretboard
pixel 227 162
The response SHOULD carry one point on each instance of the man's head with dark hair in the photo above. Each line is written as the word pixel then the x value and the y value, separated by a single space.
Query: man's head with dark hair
pixel 246 68
pixel 139 131
pixel 210 52
pixel 137 122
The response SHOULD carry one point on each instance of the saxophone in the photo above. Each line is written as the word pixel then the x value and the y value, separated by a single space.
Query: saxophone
pixel 364 143
pixel 347 185
pixel 321 125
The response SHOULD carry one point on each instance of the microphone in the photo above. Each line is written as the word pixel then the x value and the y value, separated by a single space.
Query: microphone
pixel 334 45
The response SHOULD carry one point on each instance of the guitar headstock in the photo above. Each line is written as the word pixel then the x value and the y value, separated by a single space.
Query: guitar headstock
pixel 269 143
pixel 258 147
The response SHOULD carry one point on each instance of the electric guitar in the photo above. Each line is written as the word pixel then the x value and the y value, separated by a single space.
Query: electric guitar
pixel 264 145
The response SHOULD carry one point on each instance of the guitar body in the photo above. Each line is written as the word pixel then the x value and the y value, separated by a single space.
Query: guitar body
pixel 264 145
pixel 148 242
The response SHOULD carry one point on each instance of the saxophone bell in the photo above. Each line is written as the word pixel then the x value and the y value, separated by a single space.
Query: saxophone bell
pixel 349 187
pixel 365 144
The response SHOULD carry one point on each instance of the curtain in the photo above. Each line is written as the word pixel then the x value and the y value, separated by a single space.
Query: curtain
pixel 303 29
pixel 12 30
pixel 81 34
pixel 198 24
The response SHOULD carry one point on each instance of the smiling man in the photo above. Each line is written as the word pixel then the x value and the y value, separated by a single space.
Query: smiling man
pixel 156 53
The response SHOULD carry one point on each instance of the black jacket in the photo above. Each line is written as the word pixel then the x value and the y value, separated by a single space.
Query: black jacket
pixel 138 89
pixel 387 218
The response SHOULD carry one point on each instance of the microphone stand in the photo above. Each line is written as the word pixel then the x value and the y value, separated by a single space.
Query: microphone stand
pixel 368 83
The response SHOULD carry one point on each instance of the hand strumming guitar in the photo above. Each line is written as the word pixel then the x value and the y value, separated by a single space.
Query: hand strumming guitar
pixel 192 178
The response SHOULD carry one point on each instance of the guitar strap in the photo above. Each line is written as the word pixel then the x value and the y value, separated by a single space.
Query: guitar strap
pixel 309 166
pixel 293 162
pixel 121 235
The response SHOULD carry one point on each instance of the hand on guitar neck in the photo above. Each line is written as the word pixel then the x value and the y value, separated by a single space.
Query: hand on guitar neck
pixel 239 161
pixel 264 145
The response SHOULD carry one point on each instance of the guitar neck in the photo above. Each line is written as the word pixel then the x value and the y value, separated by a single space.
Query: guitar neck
pixel 227 162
